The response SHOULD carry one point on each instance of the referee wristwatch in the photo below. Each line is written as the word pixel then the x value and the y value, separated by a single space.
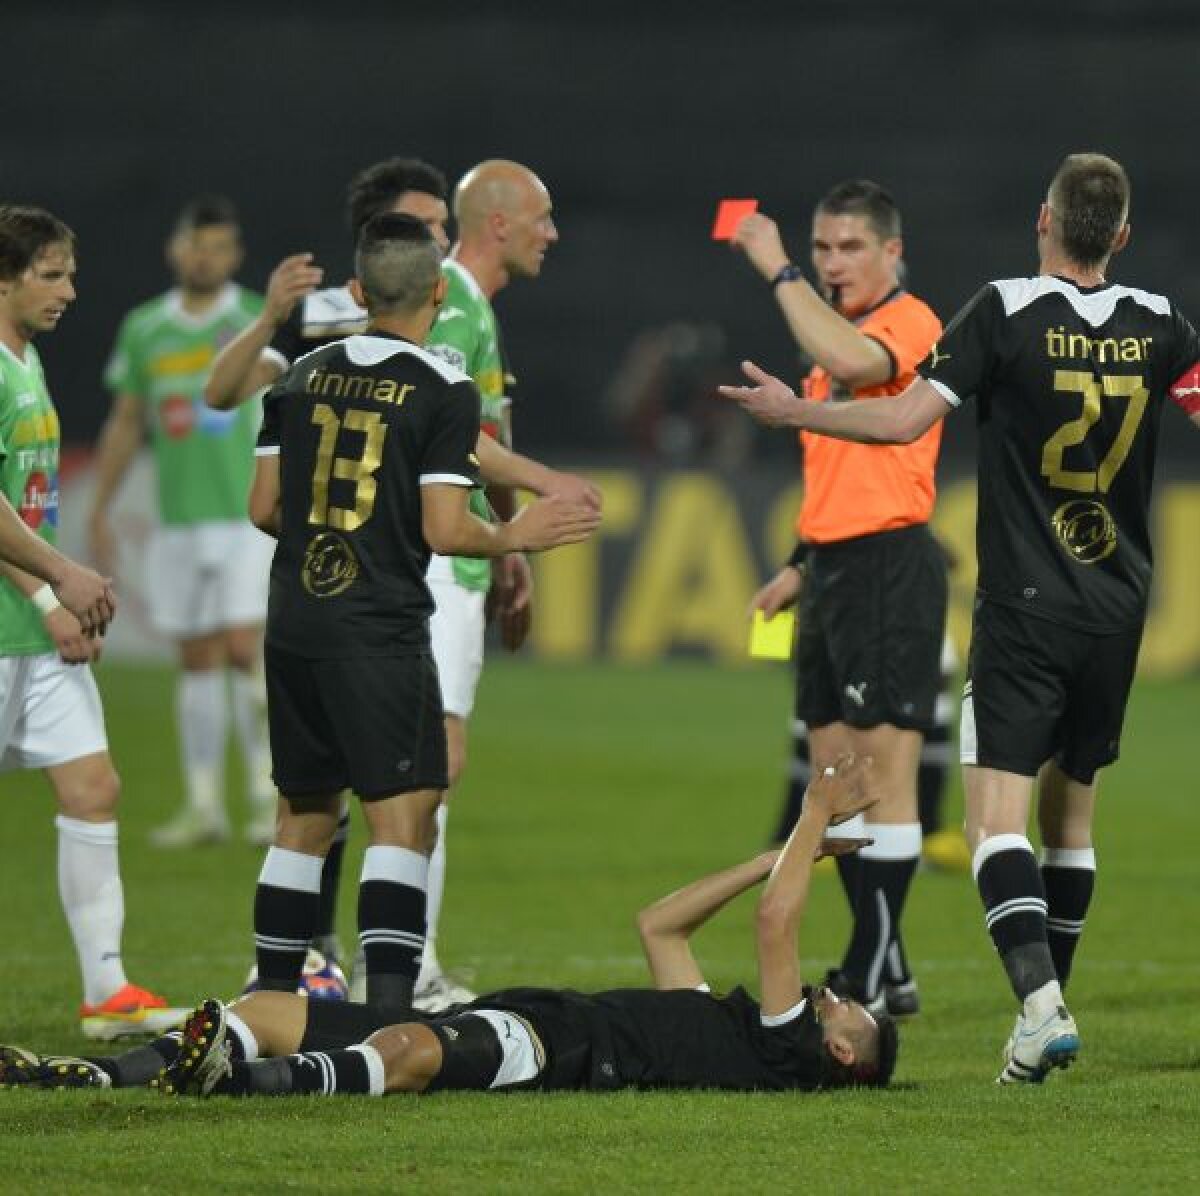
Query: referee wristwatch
pixel 787 273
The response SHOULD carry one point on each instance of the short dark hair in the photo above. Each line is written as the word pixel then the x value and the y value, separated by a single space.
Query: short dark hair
pixel 397 262
pixel 376 189
pixel 877 1073
pixel 24 233
pixel 861 197
pixel 1089 197
pixel 204 211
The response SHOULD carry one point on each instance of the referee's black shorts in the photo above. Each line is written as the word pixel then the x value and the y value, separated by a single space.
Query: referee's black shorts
pixel 872 616
pixel 1038 690
pixel 372 724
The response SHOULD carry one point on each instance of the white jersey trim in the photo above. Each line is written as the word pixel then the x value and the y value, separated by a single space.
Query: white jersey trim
pixel 945 392
pixel 267 450
pixel 226 302
pixel 445 479
pixel 468 279
pixel 770 1020
pixel 371 350
pixel 1094 307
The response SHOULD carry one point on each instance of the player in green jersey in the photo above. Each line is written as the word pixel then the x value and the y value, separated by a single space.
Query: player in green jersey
pixel 50 713
pixel 505 229
pixel 206 566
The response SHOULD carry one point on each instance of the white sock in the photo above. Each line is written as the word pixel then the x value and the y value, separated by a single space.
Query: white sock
pixel 202 718
pixel 245 1036
pixel 251 733
pixel 89 884
pixel 1043 1002
pixel 430 966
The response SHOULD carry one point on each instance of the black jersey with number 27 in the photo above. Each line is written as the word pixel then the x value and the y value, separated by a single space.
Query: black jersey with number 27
pixel 1070 384
pixel 360 425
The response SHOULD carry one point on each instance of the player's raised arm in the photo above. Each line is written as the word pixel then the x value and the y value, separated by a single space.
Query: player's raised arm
pixel 666 926
pixel 243 368
pixel 838 793
pixel 899 420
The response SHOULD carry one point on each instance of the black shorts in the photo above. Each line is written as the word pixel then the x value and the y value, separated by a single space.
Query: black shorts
pixel 872 616
pixel 1038 690
pixel 372 724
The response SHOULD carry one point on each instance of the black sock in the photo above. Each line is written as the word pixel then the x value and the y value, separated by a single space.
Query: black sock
pixel 799 774
pixel 285 908
pixel 136 1067
pixel 885 872
pixel 391 924
pixel 311 1072
pixel 1069 877
pixel 325 935
pixel 1014 902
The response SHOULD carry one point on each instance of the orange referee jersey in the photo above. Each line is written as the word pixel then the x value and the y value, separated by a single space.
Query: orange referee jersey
pixel 856 489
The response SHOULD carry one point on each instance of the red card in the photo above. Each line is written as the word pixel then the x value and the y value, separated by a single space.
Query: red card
pixel 730 213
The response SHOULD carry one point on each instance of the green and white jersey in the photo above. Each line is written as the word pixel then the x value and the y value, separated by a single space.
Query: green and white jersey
pixel 163 356
pixel 466 336
pixel 29 439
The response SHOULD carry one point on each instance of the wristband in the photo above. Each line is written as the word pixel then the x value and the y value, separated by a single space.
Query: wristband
pixel 788 273
pixel 45 599
pixel 799 555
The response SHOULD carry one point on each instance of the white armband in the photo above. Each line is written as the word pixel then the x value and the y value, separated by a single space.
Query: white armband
pixel 45 599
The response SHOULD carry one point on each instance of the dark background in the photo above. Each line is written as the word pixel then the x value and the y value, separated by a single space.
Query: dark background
pixel 638 117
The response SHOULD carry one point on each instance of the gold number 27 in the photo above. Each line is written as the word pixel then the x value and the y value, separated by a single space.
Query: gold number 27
pixel 1093 390
pixel 360 471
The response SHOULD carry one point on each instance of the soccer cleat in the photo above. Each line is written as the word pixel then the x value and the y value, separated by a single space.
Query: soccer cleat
pixel 439 993
pixel 24 1068
pixel 1032 1052
pixel 18 1067
pixel 897 1001
pixel 946 851
pixel 204 1059
pixel 190 828
pixel 129 1011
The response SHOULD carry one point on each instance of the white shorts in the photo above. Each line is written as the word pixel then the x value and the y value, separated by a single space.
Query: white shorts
pixel 207 577
pixel 50 712
pixel 522 1056
pixel 456 632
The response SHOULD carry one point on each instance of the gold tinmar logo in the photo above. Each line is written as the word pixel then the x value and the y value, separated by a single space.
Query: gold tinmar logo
pixel 1085 529
pixel 330 566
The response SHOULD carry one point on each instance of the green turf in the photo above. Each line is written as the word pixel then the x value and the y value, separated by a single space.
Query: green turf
pixel 592 790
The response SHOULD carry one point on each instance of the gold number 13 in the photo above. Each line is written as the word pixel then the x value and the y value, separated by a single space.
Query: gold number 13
pixel 346 469
pixel 1094 390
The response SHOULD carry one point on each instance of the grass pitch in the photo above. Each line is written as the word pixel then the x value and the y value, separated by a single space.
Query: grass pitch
pixel 591 790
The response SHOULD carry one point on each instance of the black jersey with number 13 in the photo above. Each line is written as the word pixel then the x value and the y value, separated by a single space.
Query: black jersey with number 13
pixel 1070 384
pixel 360 425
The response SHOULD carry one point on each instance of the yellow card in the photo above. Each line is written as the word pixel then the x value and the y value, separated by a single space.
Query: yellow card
pixel 771 639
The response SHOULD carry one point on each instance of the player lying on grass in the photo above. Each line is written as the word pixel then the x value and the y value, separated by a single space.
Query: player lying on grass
pixel 676 1035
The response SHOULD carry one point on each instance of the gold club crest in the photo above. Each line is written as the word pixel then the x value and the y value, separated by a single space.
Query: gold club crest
pixel 330 566
pixel 1085 529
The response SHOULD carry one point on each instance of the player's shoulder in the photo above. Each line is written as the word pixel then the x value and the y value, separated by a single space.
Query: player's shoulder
pixel 365 349
pixel 1094 305
pixel 905 310
pixel 150 314
pixel 464 295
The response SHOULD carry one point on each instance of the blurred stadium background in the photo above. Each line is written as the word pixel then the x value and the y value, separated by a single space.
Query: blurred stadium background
pixel 639 117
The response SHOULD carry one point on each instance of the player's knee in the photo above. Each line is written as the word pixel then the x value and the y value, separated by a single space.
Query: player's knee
pixel 411 1057
pixel 91 795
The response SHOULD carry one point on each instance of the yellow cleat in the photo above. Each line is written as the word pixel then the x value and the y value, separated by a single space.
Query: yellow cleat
pixel 946 851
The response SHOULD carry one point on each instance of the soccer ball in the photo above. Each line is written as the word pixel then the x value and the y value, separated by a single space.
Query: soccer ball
pixel 322 979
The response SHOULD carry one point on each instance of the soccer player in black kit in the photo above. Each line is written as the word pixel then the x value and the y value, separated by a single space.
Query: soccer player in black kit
pixel 677 1035
pixel 1070 375
pixel 365 461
